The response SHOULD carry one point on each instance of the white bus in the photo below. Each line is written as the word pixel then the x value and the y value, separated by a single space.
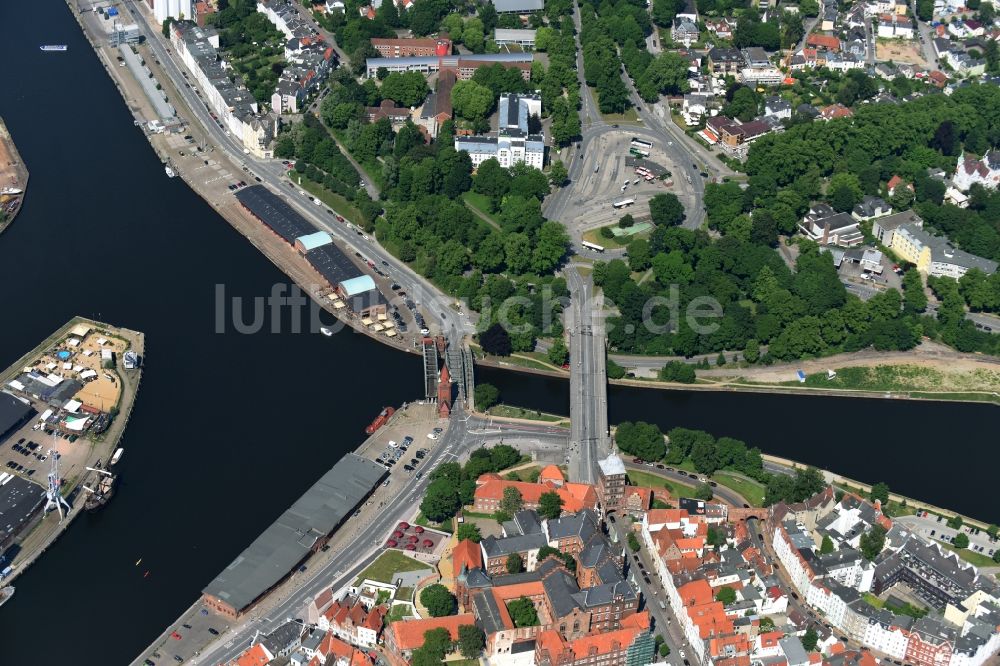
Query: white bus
pixel 639 147
pixel 592 246
pixel 623 203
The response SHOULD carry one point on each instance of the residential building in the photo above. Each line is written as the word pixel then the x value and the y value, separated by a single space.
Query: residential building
pixel 684 31
pixel 351 621
pixel 512 143
pixel 777 107
pixel 735 137
pixel 870 208
pixel 398 47
pixel 287 19
pixel 935 255
pixel 233 104
pixel 820 41
pixel 725 61
pixel 694 108
pixel 835 111
pixel 523 536
pixel 828 227
pixel 387 109
pixel 985 171
pixel 722 28
pixel 895 26
pixel 514 37
pixel 883 228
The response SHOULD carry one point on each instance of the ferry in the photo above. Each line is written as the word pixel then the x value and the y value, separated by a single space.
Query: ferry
pixel 5 594
pixel 53 47
pixel 170 172
pixel 117 455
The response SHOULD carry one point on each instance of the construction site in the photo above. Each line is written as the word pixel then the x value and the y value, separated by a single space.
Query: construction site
pixel 63 408
pixel 13 178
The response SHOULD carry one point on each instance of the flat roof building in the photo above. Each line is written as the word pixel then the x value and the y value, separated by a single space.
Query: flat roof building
pixel 522 38
pixel 294 536
pixel 14 412
pixel 518 6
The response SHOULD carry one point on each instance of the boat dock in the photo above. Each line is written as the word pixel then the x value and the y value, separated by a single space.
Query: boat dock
pixel 13 178
pixel 63 409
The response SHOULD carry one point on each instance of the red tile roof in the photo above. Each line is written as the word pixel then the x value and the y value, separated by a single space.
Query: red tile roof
pixel 826 41
pixel 257 655
pixel 467 553
pixel 410 633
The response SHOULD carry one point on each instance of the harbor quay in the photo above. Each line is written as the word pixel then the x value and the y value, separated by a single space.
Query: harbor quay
pixel 338 276
pixel 63 409
pixel 13 178
pixel 300 548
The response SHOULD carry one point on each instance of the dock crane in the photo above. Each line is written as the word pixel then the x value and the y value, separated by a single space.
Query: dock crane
pixel 100 471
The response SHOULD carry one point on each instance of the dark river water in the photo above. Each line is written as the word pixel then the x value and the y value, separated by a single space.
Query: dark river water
pixel 230 428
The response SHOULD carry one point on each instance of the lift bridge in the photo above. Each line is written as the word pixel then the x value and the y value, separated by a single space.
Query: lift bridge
pixel 460 367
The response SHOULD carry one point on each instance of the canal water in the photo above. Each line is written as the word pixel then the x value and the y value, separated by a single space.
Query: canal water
pixel 230 428
pixel 940 452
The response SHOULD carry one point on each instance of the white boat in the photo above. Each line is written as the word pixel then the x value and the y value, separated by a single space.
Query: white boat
pixel 11 190
pixel 325 331
pixel 53 47
pixel 117 455
pixel 5 594
pixel 170 172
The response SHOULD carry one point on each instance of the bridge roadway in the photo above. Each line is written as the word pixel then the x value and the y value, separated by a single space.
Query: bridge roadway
pixel 342 567
pixel 588 382
pixel 273 173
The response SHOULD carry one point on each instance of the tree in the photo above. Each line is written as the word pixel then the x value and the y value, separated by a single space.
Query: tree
pixel 514 563
pixel 666 209
pixel 872 542
pixel 550 505
pixel 487 395
pixel 844 191
pixel 641 439
pixel 558 353
pixel 716 536
pixel 512 502
pixel 558 174
pixel 703 491
pixel 914 297
pixel 880 491
pixel 955 522
pixel 961 540
pixel 437 643
pixel 633 542
pixel 441 500
pixel 438 600
pixel 469 531
pixel 495 340
pixel 523 612
pixel 405 88
pixel 677 371
pixel 809 639
pixel 471 100
pixel 743 104
pixel 751 351
pixel 996 555
pixel 165 28
pixel 766 624
pixel 471 641
pixel 827 546
pixel 726 595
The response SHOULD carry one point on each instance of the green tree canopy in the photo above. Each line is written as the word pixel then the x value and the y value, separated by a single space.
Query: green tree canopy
pixel 438 600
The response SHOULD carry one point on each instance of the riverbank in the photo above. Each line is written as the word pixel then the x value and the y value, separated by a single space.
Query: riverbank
pixel 209 173
pixel 113 389
pixel 13 178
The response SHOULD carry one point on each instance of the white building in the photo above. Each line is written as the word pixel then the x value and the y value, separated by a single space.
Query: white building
pixel 512 144
pixel 985 171
pixel 175 9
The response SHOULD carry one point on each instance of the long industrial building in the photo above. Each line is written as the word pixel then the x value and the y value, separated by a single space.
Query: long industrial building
pixel 463 65
pixel 294 536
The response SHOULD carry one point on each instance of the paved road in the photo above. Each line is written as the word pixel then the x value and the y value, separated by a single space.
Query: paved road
pixel 728 496
pixel 588 378
pixel 464 434
pixel 925 35
pixel 272 173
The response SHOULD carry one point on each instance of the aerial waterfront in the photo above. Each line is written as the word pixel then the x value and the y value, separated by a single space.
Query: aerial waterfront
pixel 158 266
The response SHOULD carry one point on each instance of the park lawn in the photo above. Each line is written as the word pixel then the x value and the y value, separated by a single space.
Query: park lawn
pixel 522 413
pixel 594 236
pixel 424 521
pixel 333 200
pixel 525 473
pixel 751 491
pixel 977 559
pixel 978 383
pixel 388 565
pixel 404 594
pixel 480 202
pixel 630 115
pixel 646 479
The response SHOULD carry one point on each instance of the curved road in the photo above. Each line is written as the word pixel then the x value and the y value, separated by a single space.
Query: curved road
pixel 273 173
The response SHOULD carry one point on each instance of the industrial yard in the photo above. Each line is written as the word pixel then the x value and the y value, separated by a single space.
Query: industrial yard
pixel 63 408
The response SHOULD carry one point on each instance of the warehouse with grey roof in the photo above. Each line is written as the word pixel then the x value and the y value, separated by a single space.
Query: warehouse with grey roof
pixel 300 531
